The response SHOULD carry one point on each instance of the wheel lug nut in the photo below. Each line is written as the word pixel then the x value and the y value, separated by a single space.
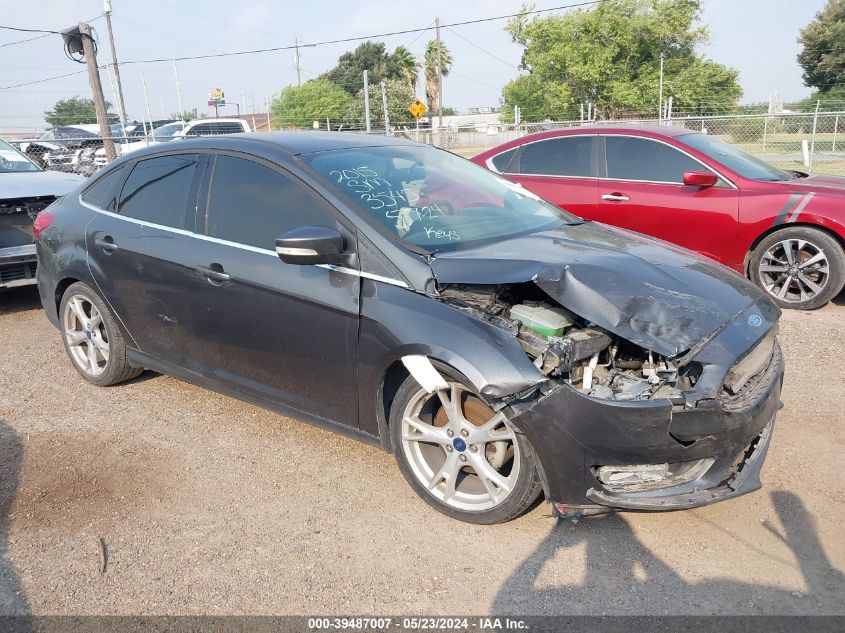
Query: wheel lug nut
pixel 449 448
pixel 473 448
pixel 463 458
pixel 450 433
pixel 464 432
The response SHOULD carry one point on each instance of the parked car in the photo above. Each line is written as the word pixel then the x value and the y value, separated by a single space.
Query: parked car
pixel 25 189
pixel 783 229
pixel 399 294
pixel 64 141
pixel 180 130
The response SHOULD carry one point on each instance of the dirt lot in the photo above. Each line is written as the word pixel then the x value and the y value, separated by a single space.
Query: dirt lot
pixel 210 506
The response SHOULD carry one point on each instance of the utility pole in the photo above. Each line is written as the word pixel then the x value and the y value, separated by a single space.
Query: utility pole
pixel 147 101
pixel 367 100
pixel 660 97
pixel 296 63
pixel 439 76
pixel 120 103
pixel 267 107
pixel 96 89
pixel 384 104
pixel 178 89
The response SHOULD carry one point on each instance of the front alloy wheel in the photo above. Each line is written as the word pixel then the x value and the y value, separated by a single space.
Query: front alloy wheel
pixel 461 456
pixel 799 267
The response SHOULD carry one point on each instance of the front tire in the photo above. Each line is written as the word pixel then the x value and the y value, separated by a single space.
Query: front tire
pixel 92 338
pixel 799 267
pixel 461 457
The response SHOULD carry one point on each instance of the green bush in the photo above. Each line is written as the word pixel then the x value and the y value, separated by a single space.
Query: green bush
pixel 747 130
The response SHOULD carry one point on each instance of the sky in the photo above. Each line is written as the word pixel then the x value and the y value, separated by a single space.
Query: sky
pixel 757 37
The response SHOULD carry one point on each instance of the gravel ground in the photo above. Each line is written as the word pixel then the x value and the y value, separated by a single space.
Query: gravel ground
pixel 205 505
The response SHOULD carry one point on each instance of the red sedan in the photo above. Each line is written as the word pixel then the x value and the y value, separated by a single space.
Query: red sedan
pixel 783 229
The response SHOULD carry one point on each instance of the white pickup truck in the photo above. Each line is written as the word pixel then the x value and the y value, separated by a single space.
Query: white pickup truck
pixel 175 131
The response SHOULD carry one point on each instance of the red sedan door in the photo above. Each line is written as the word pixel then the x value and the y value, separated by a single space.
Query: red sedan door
pixel 560 169
pixel 641 188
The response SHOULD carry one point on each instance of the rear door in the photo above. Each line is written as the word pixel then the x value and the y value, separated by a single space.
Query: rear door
pixel 141 255
pixel 282 332
pixel 641 188
pixel 560 169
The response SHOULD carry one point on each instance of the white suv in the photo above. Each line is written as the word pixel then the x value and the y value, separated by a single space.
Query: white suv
pixel 199 127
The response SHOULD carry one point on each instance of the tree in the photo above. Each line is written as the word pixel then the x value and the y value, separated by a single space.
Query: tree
pixel 188 115
pixel 609 56
pixel 315 100
pixel 403 65
pixel 348 73
pixel 75 111
pixel 432 86
pixel 399 97
pixel 823 55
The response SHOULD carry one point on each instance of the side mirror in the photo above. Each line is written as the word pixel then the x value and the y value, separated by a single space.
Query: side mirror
pixel 700 178
pixel 310 245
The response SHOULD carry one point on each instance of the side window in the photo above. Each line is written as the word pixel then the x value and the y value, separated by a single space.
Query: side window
pixel 252 204
pixel 199 130
pixel 502 162
pixel 562 156
pixel 158 189
pixel 631 158
pixel 104 191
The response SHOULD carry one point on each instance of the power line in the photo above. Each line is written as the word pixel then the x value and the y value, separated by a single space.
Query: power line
pixel 38 81
pixel 483 50
pixel 356 39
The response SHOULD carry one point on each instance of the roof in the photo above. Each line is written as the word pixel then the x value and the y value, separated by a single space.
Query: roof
pixel 659 130
pixel 294 143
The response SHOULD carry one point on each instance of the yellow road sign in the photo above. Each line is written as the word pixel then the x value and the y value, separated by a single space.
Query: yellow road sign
pixel 417 108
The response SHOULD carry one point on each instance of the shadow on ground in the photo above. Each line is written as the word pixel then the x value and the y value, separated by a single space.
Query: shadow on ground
pixel 12 599
pixel 639 582
pixel 19 299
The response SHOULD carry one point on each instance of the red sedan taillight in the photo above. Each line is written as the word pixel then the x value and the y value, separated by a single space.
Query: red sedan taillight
pixel 42 221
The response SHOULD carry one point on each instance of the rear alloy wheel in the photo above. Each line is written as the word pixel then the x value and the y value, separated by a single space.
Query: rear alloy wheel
pixel 462 457
pixel 92 338
pixel 799 267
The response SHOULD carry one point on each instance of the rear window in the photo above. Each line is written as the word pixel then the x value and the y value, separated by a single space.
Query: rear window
pixel 158 189
pixel 562 156
pixel 104 191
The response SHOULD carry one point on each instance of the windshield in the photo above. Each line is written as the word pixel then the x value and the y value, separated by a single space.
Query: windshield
pixel 166 132
pixel 741 162
pixel 433 199
pixel 11 160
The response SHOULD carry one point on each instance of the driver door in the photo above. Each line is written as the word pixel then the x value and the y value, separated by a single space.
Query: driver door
pixel 282 332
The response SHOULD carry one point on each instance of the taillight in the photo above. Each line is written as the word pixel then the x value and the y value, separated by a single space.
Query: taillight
pixel 42 221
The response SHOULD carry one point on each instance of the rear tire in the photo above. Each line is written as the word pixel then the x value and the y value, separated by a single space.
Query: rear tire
pixel 799 267
pixel 92 338
pixel 467 462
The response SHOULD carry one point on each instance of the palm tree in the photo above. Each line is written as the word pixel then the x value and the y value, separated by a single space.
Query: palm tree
pixel 403 65
pixel 432 89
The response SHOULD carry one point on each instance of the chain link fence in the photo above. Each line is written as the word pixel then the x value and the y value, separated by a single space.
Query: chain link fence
pixel 808 142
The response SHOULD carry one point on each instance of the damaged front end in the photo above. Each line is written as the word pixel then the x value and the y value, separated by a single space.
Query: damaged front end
pixel 617 425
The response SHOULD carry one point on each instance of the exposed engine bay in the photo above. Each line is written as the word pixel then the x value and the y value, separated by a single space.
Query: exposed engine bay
pixel 569 349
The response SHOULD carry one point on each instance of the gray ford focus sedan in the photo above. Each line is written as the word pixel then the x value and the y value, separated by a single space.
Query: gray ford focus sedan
pixel 501 348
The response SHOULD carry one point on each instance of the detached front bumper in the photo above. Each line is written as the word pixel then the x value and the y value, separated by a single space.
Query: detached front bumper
pixel 17 266
pixel 708 452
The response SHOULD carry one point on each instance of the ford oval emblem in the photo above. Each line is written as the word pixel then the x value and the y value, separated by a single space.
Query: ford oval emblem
pixel 755 320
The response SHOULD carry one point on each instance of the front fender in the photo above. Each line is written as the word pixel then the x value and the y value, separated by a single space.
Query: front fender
pixel 397 322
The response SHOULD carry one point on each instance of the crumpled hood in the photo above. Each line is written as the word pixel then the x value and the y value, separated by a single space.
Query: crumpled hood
pixel 37 183
pixel 649 292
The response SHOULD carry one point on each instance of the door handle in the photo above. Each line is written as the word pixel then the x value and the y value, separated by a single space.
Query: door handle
pixel 615 197
pixel 106 243
pixel 213 273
